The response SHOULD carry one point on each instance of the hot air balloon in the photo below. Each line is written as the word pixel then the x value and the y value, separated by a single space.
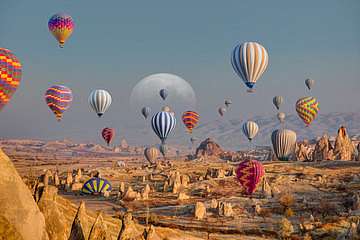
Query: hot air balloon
pixel 166 109
pixel 151 154
pixel 163 94
pixel 61 26
pixel 145 111
pixel 283 142
pixel 190 120
pixel 249 173
pixel 249 61
pixel 108 134
pixel 250 129
pixel 96 186
pixel 163 123
pixel 281 117
pixel 228 102
pixel 100 101
pixel 58 98
pixel 277 101
pixel 221 111
pixel 307 109
pixel 10 75
pixel 163 149
pixel 309 83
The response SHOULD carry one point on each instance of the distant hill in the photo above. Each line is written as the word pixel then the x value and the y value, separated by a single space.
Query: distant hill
pixel 228 133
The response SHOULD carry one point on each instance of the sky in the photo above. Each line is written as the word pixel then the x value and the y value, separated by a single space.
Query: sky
pixel 117 43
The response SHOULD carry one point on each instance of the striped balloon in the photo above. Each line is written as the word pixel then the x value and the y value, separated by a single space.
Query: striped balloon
pixel 249 61
pixel 61 26
pixel 10 75
pixel 277 101
pixel 108 134
pixel 58 98
pixel 100 101
pixel 151 154
pixel 96 186
pixel 250 129
pixel 307 109
pixel 249 173
pixel 283 142
pixel 190 120
pixel 163 123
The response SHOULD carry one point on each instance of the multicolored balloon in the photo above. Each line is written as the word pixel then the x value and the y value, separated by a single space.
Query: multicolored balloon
pixel 96 186
pixel 61 26
pixel 309 83
pixel 145 111
pixel 190 120
pixel 151 154
pixel 307 109
pixel 162 124
pixel 58 98
pixel 221 111
pixel 10 75
pixel 277 101
pixel 250 129
pixel 108 134
pixel 250 173
pixel 283 141
pixel 249 60
pixel 100 100
pixel 163 93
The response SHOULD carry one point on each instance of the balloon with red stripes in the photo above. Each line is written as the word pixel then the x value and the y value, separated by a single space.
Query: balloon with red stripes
pixel 108 134
pixel 190 120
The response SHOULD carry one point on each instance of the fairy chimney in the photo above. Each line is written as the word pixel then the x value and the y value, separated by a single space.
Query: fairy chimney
pixel 344 149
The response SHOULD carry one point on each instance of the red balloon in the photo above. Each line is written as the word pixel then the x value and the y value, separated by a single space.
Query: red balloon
pixel 108 134
pixel 249 173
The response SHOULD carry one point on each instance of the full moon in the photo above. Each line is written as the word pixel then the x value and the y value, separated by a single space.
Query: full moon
pixel 181 96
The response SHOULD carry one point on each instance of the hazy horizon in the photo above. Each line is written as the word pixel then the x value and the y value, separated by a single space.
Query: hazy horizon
pixel 115 45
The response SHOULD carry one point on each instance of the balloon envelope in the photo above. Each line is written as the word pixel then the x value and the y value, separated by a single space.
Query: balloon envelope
pixel 281 117
pixel 309 83
pixel 228 102
pixel 58 98
pixel 221 111
pixel 163 93
pixel 108 134
pixel 162 124
pixel 61 26
pixel 151 154
pixel 249 60
pixel 249 173
pixel 277 101
pixel 283 141
pixel 250 129
pixel 96 186
pixel 307 109
pixel 100 100
pixel 145 112
pixel 190 120
pixel 163 149
pixel 10 75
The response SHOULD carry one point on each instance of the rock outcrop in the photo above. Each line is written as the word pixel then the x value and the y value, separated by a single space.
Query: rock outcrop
pixel 19 214
pixel 323 150
pixel 200 211
pixel 128 229
pixel 208 148
pixel 81 227
pixel 344 149
pixel 302 151
pixel 56 225
pixel 130 195
pixel 225 209
pixel 99 230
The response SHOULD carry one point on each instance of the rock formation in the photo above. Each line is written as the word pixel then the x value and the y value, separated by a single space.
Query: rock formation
pixel 266 189
pixel 302 151
pixel 208 148
pixel 128 229
pixel 286 228
pixel 99 230
pixel 214 204
pixel 80 227
pixel 56 179
pixel 358 150
pixel 183 196
pixel 56 225
pixel 19 214
pixel 145 192
pixel 200 210
pixel 323 150
pixel 225 209
pixel 344 149
pixel 78 176
pixel 130 195
pixel 150 234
